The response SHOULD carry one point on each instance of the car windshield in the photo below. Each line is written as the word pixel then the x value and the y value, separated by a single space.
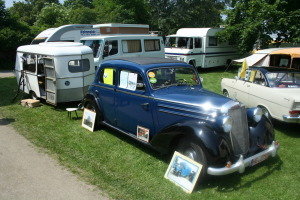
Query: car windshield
pixel 284 79
pixel 172 76
pixel 179 42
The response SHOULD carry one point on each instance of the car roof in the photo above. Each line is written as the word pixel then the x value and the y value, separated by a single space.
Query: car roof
pixel 143 63
pixel 274 69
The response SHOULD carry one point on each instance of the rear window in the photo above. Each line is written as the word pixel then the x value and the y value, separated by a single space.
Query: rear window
pixel 152 45
pixel 75 66
pixel 131 46
pixel 212 41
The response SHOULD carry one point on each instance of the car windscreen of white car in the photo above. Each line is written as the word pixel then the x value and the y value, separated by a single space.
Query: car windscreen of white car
pixel 172 76
pixel 284 79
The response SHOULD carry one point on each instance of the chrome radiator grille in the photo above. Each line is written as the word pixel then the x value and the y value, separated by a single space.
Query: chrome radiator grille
pixel 240 133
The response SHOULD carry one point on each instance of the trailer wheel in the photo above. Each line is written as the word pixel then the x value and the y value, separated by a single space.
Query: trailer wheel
pixel 228 62
pixel 33 95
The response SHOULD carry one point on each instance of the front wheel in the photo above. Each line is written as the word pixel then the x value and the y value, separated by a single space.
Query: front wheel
pixel 193 150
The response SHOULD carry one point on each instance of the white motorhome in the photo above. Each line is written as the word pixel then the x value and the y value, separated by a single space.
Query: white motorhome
pixel 66 33
pixel 111 46
pixel 57 72
pixel 199 47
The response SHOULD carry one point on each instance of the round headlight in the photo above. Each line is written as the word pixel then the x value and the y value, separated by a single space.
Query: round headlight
pixel 257 114
pixel 227 124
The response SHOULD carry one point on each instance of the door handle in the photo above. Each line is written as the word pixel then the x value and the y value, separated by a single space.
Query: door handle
pixel 145 106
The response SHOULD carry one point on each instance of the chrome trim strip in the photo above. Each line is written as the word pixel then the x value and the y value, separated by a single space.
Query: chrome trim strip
pixel 242 163
pixel 287 118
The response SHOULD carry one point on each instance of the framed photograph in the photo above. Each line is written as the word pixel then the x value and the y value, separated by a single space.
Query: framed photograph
pixel 183 171
pixel 142 133
pixel 88 119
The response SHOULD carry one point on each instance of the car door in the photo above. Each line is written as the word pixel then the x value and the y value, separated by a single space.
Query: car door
pixel 258 92
pixel 105 91
pixel 134 105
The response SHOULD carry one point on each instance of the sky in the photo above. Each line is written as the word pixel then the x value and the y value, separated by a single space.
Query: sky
pixel 9 3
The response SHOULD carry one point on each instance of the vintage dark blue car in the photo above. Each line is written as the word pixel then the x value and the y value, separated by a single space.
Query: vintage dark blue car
pixel 162 103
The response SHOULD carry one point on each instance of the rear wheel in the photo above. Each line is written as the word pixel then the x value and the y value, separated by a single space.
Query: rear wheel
pixel 91 105
pixel 266 112
pixel 225 93
pixel 193 150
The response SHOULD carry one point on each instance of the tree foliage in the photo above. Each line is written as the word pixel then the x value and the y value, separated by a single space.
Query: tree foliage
pixel 252 22
pixel 170 15
pixel 28 10
pixel 121 11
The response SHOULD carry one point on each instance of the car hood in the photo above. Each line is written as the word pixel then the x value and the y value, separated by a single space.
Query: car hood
pixel 193 96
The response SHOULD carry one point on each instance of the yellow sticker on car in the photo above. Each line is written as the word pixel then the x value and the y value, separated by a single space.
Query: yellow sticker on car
pixel 151 74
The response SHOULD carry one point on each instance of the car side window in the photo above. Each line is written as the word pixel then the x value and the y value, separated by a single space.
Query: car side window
pixel 108 76
pixel 110 48
pixel 131 81
pixel 259 78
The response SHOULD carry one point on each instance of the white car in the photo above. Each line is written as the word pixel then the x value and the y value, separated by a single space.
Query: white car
pixel 275 90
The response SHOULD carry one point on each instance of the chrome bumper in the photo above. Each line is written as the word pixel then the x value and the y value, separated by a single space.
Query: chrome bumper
pixel 242 163
pixel 287 118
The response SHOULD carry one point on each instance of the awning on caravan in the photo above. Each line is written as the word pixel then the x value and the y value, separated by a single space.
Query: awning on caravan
pixel 251 60
pixel 293 52
pixel 257 56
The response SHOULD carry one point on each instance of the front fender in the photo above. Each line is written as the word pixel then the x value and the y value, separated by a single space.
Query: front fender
pixel 213 144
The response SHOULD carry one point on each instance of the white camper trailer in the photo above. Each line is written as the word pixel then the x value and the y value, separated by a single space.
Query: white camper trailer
pixel 199 47
pixel 57 72
pixel 121 45
pixel 74 32
pixel 66 33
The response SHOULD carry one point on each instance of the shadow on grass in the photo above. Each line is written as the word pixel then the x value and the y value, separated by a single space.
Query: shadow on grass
pixel 6 121
pixel 232 182
pixel 133 142
pixel 289 129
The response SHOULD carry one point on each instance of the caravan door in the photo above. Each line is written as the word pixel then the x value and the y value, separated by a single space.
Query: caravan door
pixel 30 83
pixel 198 52
pixel 88 72
pixel 50 86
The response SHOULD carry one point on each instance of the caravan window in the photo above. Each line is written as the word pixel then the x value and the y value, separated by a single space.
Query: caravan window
pixel 75 66
pixel 29 62
pixel 212 41
pixel 131 46
pixel 198 43
pixel 280 60
pixel 94 45
pixel 152 45
pixel 180 42
pixel 110 48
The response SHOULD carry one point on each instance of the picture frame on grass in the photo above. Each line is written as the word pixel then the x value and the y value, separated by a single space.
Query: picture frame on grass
pixel 88 119
pixel 183 172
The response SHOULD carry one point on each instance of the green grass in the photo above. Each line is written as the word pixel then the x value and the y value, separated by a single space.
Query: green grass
pixel 125 169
